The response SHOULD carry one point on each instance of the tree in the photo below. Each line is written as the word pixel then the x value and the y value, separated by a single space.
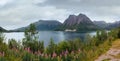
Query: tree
pixel 31 39
pixel 30 33
pixel 2 37
pixel 104 35
pixel 27 57
pixel 41 46
pixel 101 36
pixel 75 44
pixel 118 33
pixel 63 46
pixel 12 43
pixel 51 47
pixel 3 46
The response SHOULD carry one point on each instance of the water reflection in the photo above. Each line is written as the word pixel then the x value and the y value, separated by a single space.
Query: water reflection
pixel 45 36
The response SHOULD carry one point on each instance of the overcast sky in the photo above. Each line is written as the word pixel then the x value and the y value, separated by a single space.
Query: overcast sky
pixel 20 13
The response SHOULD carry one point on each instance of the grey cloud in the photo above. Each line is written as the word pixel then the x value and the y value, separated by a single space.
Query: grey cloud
pixel 77 3
pixel 23 12
pixel 93 8
pixel 19 13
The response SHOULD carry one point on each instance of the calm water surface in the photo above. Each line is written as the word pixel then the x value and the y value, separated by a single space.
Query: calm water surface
pixel 45 36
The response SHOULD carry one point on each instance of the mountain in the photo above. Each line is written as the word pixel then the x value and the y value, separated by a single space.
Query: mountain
pixel 74 22
pixel 113 25
pixel 43 25
pixel 22 29
pixel 2 29
pixel 107 26
pixel 80 23
pixel 47 24
pixel 101 24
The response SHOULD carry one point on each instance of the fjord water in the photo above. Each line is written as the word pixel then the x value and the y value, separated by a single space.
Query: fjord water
pixel 45 36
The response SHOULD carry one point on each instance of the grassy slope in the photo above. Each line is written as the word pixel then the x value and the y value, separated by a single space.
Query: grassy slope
pixel 116 44
pixel 113 54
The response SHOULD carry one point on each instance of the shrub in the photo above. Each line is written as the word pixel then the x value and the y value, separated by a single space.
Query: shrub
pixel 27 57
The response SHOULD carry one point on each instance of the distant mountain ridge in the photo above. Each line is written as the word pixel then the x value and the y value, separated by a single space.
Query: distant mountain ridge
pixel 78 23
pixel 101 24
pixel 47 24
pixel 113 25
pixel 2 29
pixel 107 26
pixel 74 22
pixel 43 25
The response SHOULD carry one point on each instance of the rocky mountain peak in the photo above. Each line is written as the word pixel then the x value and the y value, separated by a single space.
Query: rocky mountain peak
pixel 74 20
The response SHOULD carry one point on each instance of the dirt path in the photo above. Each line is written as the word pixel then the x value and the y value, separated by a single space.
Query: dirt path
pixel 113 54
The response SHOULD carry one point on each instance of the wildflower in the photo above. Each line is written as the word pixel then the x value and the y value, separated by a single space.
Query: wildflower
pixel 39 53
pixel 3 54
pixel 0 54
pixel 42 54
pixel 28 49
pixel 54 55
pixel 46 55
pixel 36 53
pixel 62 52
pixel 60 55
pixel 65 55
pixel 72 52
pixel 79 50
pixel 66 52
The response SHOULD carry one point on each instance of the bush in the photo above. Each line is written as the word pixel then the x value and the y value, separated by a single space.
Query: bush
pixel 12 43
pixel 52 47
pixel 118 33
pixel 3 59
pixel 27 57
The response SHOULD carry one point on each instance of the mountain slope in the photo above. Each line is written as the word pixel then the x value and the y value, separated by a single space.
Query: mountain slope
pixel 43 25
pixel 2 29
pixel 113 54
pixel 73 22
pixel 80 23
pixel 76 20
pixel 47 24
pixel 101 24
pixel 113 25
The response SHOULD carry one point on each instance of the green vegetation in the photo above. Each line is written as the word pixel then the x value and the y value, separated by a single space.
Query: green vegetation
pixel 31 49
pixel 79 28
pixel 106 60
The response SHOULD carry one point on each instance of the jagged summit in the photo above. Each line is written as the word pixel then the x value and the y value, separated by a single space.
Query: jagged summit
pixel 79 22
pixel 75 20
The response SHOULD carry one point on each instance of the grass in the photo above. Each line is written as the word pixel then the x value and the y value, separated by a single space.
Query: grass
pixel 106 59
pixel 117 56
pixel 116 44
